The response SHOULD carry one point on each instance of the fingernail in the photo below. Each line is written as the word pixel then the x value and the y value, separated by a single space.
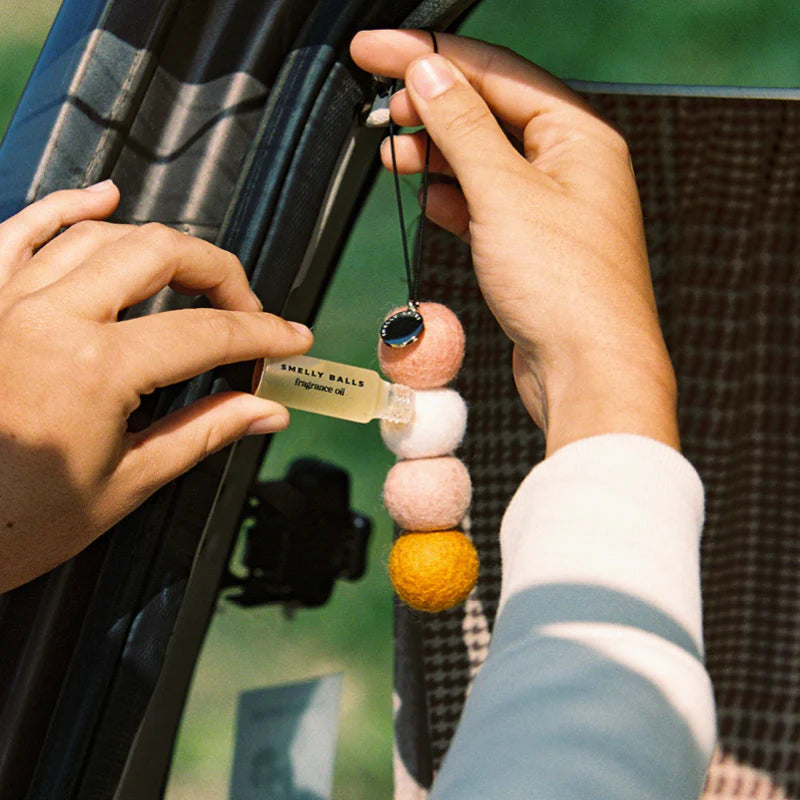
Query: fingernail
pixel 103 186
pixel 271 424
pixel 431 76
pixel 300 328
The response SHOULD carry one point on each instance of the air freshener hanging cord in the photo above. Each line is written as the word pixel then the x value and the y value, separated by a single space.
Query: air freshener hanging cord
pixel 407 326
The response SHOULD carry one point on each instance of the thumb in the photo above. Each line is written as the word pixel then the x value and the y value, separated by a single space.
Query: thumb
pixel 459 122
pixel 172 445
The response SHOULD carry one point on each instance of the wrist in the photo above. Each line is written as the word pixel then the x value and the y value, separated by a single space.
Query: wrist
pixel 615 390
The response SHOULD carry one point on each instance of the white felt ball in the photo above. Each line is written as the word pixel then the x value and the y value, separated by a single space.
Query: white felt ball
pixel 437 428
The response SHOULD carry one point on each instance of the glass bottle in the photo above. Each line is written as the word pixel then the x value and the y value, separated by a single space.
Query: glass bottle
pixel 335 390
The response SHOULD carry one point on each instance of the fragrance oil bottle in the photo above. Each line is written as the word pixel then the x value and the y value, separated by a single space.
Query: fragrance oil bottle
pixel 335 390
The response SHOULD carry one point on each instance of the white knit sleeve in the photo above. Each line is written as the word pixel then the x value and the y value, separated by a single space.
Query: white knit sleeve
pixel 594 685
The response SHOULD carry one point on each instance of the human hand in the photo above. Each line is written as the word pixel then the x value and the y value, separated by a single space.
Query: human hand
pixel 547 200
pixel 71 374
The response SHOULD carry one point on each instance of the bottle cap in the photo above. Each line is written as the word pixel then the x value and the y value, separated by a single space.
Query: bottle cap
pixel 400 404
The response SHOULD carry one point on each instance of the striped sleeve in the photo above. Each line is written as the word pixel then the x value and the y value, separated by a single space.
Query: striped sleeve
pixel 594 685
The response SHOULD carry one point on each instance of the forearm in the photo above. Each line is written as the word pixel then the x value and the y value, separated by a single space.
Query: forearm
pixel 594 686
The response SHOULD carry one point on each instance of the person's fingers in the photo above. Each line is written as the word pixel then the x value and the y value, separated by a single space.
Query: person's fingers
pixel 461 124
pixel 447 208
pixel 172 346
pixel 409 150
pixel 24 233
pixel 145 260
pixel 63 253
pixel 389 52
pixel 557 129
pixel 402 110
pixel 515 89
pixel 171 446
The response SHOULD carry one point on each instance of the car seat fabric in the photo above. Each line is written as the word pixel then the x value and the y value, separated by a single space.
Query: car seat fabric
pixel 720 186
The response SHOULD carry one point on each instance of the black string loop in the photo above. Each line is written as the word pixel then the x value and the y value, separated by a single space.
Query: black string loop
pixel 413 269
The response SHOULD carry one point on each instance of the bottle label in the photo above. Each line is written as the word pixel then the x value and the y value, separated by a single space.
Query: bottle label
pixel 321 380
pixel 324 387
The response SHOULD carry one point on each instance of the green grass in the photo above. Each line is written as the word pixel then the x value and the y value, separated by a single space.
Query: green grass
pixel 749 42
pixel 16 58
pixel 714 42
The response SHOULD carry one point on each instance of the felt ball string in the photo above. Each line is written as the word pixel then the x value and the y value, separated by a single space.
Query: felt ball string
pixel 405 326
pixel 433 564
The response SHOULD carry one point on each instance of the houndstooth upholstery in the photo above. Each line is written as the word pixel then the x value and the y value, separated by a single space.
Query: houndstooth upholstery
pixel 720 187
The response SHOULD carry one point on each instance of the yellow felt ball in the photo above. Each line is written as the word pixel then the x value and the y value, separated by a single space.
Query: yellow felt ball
pixel 433 571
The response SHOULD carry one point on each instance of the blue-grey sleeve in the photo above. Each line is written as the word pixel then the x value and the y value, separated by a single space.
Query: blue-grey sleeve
pixel 594 686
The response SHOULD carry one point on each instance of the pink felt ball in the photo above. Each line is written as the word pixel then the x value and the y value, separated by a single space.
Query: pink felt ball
pixel 427 494
pixel 432 361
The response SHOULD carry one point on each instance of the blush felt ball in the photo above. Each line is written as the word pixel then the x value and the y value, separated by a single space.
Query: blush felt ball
pixel 427 494
pixel 433 360
pixel 433 571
